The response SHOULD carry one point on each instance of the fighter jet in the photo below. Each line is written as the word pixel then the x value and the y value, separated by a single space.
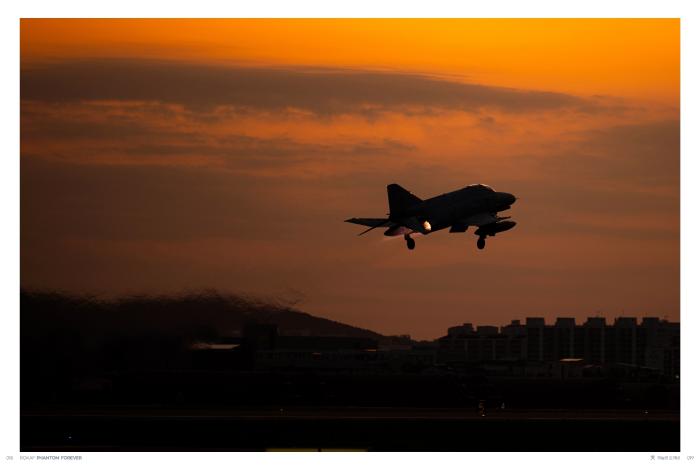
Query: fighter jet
pixel 475 205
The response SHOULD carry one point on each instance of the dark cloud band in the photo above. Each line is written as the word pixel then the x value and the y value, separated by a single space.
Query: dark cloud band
pixel 320 91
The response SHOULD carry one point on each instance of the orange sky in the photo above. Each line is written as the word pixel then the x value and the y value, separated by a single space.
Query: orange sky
pixel 161 155
pixel 622 57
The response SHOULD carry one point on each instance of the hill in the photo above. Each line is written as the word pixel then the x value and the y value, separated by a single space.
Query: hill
pixel 200 316
pixel 66 336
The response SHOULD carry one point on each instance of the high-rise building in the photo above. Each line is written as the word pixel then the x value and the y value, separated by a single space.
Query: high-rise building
pixel 564 338
pixel 622 348
pixel 535 338
pixel 594 349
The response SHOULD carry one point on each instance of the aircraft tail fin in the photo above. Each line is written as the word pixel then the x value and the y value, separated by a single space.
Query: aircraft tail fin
pixel 400 199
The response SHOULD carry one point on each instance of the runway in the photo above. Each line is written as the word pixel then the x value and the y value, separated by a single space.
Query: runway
pixel 376 429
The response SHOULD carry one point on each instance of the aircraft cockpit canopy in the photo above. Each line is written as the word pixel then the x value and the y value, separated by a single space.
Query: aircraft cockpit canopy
pixel 481 186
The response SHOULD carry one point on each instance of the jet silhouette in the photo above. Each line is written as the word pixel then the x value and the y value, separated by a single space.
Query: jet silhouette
pixel 476 205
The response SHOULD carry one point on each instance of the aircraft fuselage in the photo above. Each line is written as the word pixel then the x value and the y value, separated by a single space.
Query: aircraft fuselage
pixel 451 208
pixel 474 205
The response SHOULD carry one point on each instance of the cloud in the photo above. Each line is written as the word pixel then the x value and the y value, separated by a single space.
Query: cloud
pixel 319 91
pixel 101 121
pixel 135 133
pixel 242 146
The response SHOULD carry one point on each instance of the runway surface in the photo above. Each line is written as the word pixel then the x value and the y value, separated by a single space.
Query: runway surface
pixel 377 429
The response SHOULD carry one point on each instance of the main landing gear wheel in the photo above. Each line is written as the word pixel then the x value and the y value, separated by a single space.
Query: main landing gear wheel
pixel 480 243
pixel 410 242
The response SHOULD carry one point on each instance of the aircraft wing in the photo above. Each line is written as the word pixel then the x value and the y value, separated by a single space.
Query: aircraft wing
pixel 478 220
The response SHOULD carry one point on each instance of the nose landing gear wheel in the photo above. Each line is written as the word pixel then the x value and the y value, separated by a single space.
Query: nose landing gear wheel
pixel 410 242
pixel 480 243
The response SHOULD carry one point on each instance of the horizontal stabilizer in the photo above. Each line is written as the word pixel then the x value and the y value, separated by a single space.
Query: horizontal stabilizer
pixel 368 222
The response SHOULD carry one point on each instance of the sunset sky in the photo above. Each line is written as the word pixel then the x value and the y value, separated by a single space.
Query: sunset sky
pixel 162 156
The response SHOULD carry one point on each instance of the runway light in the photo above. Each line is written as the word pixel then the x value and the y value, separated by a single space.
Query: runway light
pixel 427 226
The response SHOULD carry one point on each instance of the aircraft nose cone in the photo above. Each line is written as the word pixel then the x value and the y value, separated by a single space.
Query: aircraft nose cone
pixel 507 198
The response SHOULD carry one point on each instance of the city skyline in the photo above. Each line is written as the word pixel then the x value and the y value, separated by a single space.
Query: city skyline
pixel 576 320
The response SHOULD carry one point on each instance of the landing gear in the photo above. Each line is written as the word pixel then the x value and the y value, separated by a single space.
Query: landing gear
pixel 480 243
pixel 410 242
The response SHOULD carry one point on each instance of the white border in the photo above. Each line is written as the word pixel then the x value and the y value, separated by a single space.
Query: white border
pixel 9 285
